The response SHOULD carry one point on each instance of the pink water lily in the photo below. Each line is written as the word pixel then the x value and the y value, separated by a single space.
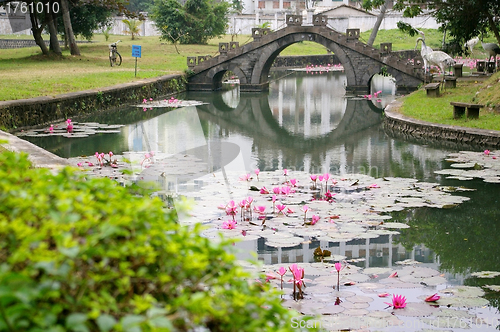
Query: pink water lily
pixel 315 219
pixel 487 152
pixel 282 271
pixel 229 224
pixel 286 190
pixel 313 178
pixel 398 301
pixel 289 210
pixel 338 268
pixel 270 276
pixel 383 295
pixel 260 209
pixel 264 190
pixel 277 190
pixel 280 208
pixel 257 171
pixel 285 172
pixel 374 186
pixel 293 182
pixel 245 177
pixel 432 298
pixel 305 208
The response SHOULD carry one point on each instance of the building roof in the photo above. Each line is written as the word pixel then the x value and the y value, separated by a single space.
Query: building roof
pixel 345 10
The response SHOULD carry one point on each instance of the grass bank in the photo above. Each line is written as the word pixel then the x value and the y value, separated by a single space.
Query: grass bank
pixel 438 110
pixel 26 73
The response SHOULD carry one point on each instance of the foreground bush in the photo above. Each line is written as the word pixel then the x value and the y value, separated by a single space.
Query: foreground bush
pixel 89 255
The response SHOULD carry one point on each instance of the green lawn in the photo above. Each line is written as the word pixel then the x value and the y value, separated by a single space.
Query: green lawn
pixel 417 105
pixel 26 73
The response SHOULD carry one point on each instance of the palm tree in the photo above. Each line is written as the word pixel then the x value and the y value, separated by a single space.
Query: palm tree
pixel 133 27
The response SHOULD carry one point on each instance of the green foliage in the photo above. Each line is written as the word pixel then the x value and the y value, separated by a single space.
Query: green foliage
pixel 195 22
pixel 106 31
pixel 462 20
pixel 133 27
pixel 85 19
pixel 89 255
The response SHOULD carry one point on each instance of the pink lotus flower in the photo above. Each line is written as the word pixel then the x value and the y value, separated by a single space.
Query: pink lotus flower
pixel 313 178
pixel 79 164
pixel 260 209
pixel 329 196
pixel 315 219
pixel 144 100
pixel 110 154
pixel 433 298
pixel 257 171
pixel 393 275
pixel 293 182
pixel 305 208
pixel 487 152
pixel 338 268
pixel 263 190
pixel 280 208
pixel 289 210
pixel 282 271
pixel 245 177
pixel 286 190
pixel 277 190
pixel 398 301
pixel 229 224
pixel 274 198
pixel 383 295
pixel 320 178
pixel 285 172
pixel 270 276
pixel 51 129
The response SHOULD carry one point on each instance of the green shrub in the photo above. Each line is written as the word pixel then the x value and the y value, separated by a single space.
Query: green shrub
pixel 89 255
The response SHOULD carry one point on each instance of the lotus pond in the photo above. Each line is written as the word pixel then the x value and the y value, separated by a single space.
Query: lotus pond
pixel 305 175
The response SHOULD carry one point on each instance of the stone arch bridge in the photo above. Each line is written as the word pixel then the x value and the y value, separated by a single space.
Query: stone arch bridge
pixel 252 62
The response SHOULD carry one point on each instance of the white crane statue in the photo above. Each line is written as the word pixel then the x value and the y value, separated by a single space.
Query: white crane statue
pixel 471 43
pixel 423 51
pixel 492 50
pixel 440 59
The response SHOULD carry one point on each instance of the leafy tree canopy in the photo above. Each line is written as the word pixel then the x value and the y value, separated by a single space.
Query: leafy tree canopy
pixel 195 22
pixel 462 19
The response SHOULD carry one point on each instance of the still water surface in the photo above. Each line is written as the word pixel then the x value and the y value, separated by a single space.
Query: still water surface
pixel 307 123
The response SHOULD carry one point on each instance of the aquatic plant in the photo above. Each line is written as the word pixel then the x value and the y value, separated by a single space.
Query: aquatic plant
pixel 398 302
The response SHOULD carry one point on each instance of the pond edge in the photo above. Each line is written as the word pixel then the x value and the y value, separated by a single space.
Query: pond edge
pixel 423 132
pixel 26 113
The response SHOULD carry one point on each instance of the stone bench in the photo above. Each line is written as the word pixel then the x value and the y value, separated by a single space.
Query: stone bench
pixel 432 89
pixel 459 109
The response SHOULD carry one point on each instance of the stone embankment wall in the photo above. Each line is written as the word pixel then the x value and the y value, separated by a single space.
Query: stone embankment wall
pixel 23 113
pixel 454 137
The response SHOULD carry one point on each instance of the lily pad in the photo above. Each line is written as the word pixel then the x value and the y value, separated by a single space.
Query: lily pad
pixel 486 274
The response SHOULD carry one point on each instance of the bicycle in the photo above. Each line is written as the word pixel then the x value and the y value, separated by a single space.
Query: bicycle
pixel 114 57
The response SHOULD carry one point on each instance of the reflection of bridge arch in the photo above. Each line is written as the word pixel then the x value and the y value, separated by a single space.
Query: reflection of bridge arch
pixel 252 62
pixel 253 115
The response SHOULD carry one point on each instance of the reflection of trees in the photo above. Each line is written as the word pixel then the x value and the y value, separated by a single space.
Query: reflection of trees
pixel 465 237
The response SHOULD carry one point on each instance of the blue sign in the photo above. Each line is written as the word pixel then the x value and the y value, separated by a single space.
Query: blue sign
pixel 136 51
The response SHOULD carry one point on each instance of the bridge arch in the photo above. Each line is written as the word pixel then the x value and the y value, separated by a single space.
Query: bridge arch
pixel 252 62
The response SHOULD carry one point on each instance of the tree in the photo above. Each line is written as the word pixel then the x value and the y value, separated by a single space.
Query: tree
pixel 462 19
pixel 195 22
pixel 68 28
pixel 133 27
pixel 87 18
pixel 369 5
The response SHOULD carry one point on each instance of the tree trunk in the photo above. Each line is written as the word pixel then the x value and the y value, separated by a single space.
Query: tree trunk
pixel 37 33
pixel 54 42
pixel 68 28
pixel 493 27
pixel 380 18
